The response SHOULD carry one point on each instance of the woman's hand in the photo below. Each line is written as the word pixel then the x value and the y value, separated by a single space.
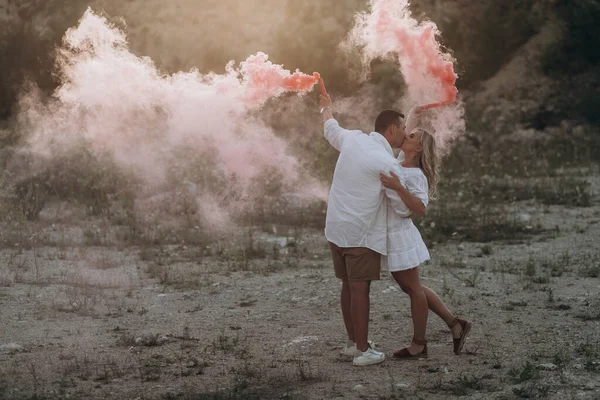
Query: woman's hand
pixel 412 121
pixel 390 182
pixel 417 110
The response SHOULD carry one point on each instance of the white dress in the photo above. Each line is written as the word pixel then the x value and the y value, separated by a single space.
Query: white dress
pixel 405 246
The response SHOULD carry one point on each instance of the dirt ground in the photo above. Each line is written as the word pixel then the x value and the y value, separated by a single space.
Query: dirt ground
pixel 85 316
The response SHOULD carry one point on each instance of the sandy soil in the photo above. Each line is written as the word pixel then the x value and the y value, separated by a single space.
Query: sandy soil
pixel 84 317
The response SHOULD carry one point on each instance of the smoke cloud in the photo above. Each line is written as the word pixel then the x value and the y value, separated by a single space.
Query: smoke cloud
pixel 389 31
pixel 119 105
pixel 205 137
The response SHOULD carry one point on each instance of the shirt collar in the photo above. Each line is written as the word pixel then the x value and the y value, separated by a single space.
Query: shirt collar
pixel 383 141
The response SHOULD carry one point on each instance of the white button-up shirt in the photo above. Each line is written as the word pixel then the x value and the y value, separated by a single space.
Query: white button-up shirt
pixel 357 210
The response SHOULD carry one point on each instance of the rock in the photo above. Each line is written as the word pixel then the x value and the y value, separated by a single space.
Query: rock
pixel 523 217
pixel 523 134
pixel 358 388
pixel 273 317
pixel 10 348
pixel 461 246
pixel 138 341
pixel 590 386
pixel 302 340
pixel 402 385
pixel 390 290
pixel 579 131
pixel 162 340
pixel 61 211
pixel 548 367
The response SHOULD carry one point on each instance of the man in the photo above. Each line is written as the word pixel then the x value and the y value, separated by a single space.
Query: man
pixel 356 217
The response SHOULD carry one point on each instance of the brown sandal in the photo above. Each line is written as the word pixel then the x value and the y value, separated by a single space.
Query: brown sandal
pixel 405 354
pixel 466 328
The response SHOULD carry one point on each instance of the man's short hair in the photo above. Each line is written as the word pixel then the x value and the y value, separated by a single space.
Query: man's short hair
pixel 387 118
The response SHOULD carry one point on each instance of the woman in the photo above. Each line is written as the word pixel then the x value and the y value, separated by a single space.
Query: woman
pixel 406 250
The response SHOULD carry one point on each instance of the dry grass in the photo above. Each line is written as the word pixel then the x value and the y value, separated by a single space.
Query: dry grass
pixel 126 275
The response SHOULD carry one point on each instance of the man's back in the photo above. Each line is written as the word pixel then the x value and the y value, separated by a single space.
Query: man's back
pixel 355 216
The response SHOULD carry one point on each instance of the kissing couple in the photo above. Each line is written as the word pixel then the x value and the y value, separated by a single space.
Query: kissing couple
pixel 369 228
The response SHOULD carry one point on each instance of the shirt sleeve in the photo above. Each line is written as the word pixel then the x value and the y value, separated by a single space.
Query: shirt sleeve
pixel 417 185
pixel 395 201
pixel 336 135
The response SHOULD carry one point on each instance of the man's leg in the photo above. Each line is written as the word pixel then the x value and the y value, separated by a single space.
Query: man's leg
pixel 363 266
pixel 346 301
pixel 339 266
pixel 360 313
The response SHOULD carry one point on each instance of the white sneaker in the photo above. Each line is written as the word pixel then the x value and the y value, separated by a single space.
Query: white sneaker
pixel 351 350
pixel 369 357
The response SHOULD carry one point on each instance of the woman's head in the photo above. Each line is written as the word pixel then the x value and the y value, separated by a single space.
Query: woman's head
pixel 422 145
pixel 412 142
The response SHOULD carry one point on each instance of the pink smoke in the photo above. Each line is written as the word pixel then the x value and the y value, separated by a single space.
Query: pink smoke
pixel 114 102
pixel 390 31
pixel 262 79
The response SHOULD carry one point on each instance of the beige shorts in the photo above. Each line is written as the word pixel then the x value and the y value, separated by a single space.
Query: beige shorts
pixel 355 264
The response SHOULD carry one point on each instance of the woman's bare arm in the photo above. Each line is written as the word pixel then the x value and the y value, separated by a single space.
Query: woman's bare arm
pixel 413 203
pixel 412 120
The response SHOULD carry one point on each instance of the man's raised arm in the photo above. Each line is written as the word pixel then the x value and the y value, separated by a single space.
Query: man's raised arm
pixel 325 104
pixel 334 133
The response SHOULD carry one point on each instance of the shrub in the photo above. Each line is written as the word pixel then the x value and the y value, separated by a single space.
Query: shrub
pixel 77 176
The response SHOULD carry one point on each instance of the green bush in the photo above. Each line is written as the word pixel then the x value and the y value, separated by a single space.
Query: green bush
pixel 77 176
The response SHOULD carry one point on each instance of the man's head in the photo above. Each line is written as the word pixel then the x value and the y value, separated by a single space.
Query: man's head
pixel 390 124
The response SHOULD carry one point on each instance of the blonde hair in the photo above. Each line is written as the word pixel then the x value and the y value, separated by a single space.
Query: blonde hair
pixel 429 161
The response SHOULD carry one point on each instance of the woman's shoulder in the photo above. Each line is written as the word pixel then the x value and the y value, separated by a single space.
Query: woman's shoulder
pixel 416 172
pixel 415 175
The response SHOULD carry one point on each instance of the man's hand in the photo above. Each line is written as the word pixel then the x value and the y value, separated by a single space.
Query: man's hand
pixel 325 101
pixel 325 105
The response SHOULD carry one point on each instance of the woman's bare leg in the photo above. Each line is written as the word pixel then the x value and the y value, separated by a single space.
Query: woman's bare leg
pixel 409 283
pixel 439 308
